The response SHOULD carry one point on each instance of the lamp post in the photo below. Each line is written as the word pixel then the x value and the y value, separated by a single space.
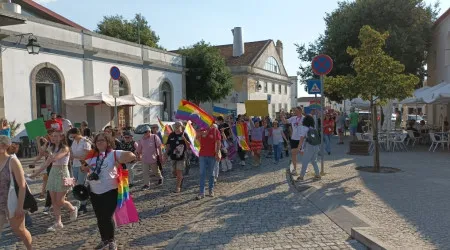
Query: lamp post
pixel 33 47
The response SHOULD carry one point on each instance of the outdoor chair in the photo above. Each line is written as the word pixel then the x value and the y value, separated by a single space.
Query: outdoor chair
pixel 359 137
pixel 399 142
pixel 436 141
pixel 413 138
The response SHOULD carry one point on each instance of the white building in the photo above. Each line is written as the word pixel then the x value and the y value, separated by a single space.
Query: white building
pixel 75 62
pixel 258 74
pixel 438 66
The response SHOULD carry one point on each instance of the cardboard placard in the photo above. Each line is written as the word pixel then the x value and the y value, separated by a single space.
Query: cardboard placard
pixel 35 128
pixel 257 108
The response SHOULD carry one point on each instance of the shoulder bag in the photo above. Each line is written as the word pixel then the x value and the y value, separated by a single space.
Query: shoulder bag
pixel 157 155
pixel 29 203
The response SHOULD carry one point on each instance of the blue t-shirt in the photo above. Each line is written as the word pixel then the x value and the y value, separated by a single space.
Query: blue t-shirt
pixel 6 132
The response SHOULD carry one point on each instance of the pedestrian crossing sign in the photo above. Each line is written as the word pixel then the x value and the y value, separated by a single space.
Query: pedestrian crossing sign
pixel 314 86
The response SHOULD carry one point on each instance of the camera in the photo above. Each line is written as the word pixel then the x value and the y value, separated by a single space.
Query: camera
pixel 93 177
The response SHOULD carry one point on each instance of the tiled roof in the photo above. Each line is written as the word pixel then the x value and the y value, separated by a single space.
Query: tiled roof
pixel 442 17
pixel 251 51
pixel 46 14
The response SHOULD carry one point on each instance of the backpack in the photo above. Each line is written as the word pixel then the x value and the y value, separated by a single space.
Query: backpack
pixel 312 137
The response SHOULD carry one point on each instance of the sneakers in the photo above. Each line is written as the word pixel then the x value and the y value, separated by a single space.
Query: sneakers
pixel 145 187
pixel 55 227
pixel 112 245
pixel 294 172
pixel 242 163
pixel 46 210
pixel 160 182
pixel 74 214
pixel 300 178
pixel 317 177
pixel 211 193
pixel 200 196
pixel 83 208
pixel 102 245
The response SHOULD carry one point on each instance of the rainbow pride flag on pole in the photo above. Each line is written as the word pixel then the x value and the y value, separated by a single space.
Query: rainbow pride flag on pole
pixel 166 130
pixel 240 130
pixel 192 135
pixel 191 112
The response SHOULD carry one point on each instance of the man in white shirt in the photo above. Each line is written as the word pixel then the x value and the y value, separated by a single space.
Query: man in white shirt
pixel 66 124
pixel 296 124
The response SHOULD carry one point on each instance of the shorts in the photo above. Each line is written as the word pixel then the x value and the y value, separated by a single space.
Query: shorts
pixel 294 143
pixel 179 165
pixel 353 130
pixel 340 130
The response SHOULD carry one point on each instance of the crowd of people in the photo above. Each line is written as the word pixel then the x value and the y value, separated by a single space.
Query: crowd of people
pixel 65 152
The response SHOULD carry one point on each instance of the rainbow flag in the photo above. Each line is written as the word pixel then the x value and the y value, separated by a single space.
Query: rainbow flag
pixel 166 131
pixel 192 134
pixel 240 130
pixel 191 112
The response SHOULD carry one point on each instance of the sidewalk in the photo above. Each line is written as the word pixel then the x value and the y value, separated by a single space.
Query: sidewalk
pixel 408 209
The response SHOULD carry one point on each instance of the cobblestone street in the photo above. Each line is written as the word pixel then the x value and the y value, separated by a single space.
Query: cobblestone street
pixel 253 208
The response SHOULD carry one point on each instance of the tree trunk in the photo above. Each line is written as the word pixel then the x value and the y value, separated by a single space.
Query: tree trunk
pixel 376 155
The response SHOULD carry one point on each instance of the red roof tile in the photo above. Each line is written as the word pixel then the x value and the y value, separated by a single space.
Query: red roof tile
pixel 251 52
pixel 47 14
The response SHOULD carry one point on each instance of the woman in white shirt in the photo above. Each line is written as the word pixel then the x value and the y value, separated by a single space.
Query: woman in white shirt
pixel 308 150
pixel 79 149
pixel 102 167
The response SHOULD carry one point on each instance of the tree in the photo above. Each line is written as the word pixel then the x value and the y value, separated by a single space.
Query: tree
pixel 378 78
pixel 409 23
pixel 208 78
pixel 136 30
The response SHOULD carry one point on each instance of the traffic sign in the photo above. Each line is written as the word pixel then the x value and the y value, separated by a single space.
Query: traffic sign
pixel 116 88
pixel 322 65
pixel 269 98
pixel 114 72
pixel 314 86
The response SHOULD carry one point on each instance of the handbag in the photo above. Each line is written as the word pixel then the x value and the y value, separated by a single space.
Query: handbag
pixel 126 214
pixel 157 158
pixel 29 203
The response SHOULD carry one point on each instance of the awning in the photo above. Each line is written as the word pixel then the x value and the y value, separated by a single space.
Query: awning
pixel 139 100
pixel 96 99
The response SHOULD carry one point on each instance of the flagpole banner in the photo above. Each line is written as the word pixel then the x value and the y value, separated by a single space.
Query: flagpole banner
pixel 219 111
pixel 240 131
pixel 190 112
pixel 192 136
pixel 257 108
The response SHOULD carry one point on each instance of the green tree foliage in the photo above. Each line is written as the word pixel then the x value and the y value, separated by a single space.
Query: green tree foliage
pixel 136 30
pixel 409 23
pixel 378 77
pixel 208 78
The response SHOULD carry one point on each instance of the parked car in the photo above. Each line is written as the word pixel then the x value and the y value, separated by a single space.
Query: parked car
pixel 138 132
pixel 416 118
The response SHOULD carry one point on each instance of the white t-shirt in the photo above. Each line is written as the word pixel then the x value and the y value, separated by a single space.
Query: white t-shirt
pixel 108 173
pixel 277 135
pixel 296 123
pixel 78 150
pixel 303 133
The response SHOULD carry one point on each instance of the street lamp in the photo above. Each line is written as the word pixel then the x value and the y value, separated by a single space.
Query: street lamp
pixel 33 46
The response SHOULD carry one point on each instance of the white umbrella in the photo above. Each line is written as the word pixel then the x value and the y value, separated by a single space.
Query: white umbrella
pixel 95 99
pixel 139 100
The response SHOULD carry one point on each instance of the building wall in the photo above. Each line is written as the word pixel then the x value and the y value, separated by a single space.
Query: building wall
pixel 83 59
pixel 439 68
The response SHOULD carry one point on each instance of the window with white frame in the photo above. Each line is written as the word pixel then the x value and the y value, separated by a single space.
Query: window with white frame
pixel 280 106
pixel 273 87
pixel 285 107
pixel 265 87
pixel 279 88
pixel 273 109
pixel 272 65
pixel 285 89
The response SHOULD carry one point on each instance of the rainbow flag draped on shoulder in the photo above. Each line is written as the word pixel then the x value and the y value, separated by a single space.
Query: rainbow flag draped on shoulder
pixel 240 130
pixel 192 134
pixel 190 112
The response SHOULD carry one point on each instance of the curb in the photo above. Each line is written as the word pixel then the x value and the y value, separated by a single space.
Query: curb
pixel 353 223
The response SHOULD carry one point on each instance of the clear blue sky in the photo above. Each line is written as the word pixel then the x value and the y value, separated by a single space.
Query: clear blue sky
pixel 184 22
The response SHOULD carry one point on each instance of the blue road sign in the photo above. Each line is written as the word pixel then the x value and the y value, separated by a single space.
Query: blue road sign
pixel 114 72
pixel 322 65
pixel 314 86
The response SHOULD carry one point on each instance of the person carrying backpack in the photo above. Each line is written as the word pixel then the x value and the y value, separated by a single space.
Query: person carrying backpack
pixel 309 147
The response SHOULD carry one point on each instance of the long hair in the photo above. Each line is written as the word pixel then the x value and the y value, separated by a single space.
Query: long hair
pixel 62 142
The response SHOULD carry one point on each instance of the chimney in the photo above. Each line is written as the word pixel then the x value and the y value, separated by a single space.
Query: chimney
pixel 279 47
pixel 11 7
pixel 238 42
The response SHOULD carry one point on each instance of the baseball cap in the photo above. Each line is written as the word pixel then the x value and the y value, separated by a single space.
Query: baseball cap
pixel 127 133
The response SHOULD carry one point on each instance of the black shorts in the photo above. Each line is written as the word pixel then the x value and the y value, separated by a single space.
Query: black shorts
pixel 294 143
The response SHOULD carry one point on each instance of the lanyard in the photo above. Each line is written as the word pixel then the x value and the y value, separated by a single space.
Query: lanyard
pixel 99 164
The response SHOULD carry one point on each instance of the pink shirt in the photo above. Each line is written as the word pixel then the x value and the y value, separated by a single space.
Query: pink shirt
pixel 146 147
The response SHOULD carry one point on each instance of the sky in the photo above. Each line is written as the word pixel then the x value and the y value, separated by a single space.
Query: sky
pixel 184 22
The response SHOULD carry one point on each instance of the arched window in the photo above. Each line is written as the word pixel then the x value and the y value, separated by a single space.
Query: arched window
pixel 272 65
pixel 48 92
pixel 166 98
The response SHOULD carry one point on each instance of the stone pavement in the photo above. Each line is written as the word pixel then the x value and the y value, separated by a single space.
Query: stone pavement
pixel 408 209
pixel 253 208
